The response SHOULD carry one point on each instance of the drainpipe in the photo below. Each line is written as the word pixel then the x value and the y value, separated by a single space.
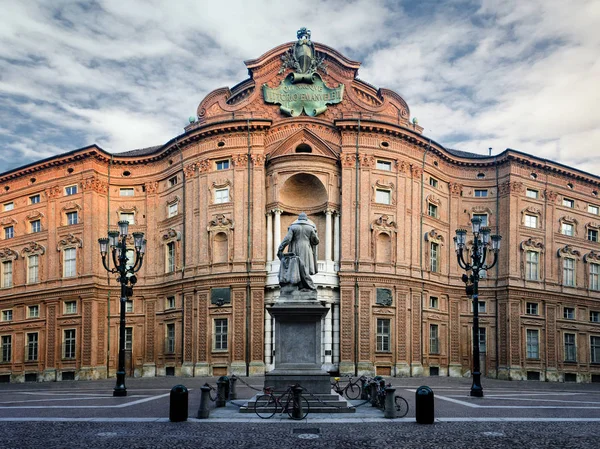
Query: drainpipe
pixel 356 255
pixel 183 254
pixel 107 275
pixel 421 237
pixel 248 249
pixel 497 265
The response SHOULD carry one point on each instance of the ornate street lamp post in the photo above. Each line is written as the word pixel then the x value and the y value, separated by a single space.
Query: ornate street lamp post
pixel 481 245
pixel 118 247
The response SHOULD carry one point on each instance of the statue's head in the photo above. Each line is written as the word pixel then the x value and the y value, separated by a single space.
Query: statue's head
pixel 303 216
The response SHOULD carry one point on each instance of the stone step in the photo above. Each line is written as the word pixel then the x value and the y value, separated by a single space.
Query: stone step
pixel 318 403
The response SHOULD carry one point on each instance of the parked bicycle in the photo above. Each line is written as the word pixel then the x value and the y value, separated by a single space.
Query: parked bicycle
pixel 268 404
pixel 351 389
pixel 400 404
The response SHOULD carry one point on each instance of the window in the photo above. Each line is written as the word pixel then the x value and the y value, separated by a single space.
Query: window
pixel 434 343
pixel 7 274
pixel 6 348
pixel 32 346
pixel 570 349
pixel 566 229
pixel 170 257
pixel 173 209
pixel 170 343
pixel 33 269
pixel 129 217
pixel 70 190
pixel 531 308
pixel 170 302
pixel 595 349
pixel 34 199
pixel 128 338
pixel 592 235
pixel 383 196
pixel 9 232
pixel 223 165
pixel 9 206
pixel 432 210
pixel 433 302
pixel 594 276
pixel 434 257
pixel 533 265
pixel 568 203
pixel 569 272
pixel 220 343
pixel 593 209
pixel 481 336
pixel 433 182
pixel 483 218
pixel 532 194
pixel 126 192
pixel 70 259
pixel 569 313
pixel 533 344
pixel 33 312
pixel 481 193
pixel 129 306
pixel 531 221
pixel 222 195
pixel 172 181
pixel 70 307
pixel 7 315
pixel 36 226
pixel 383 335
pixel 384 165
pixel 595 317
pixel 72 218
pixel 481 307
pixel 69 344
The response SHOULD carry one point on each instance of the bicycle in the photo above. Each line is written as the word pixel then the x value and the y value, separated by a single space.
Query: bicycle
pixel 351 389
pixel 268 404
pixel 400 404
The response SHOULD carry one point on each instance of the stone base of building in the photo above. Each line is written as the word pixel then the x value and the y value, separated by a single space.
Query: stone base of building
pixel 346 368
pixel 237 368
pixel 455 370
pixel 201 369
pixel 416 370
pixel 48 375
pixel 366 369
pixel 402 370
pixel 89 373
pixel 257 369
pixel 187 369
pixel 552 375
pixel 149 370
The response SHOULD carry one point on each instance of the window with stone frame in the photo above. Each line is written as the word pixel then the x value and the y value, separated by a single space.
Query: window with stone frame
pixel 69 344
pixel 383 196
pixel 222 195
pixel 172 209
pixel 7 315
pixel 129 306
pixel 594 276
pixel 532 193
pixel 220 334
pixel 70 307
pixel 481 193
pixel 126 191
pixel 9 206
pixel 569 272
pixel 9 232
pixel 483 218
pixel 594 316
pixel 433 182
pixel 6 348
pixel 32 346
pixel 34 199
pixel 7 274
pixel 570 347
pixel 36 226
pixel 432 210
pixel 531 221
pixel 569 313
pixel 434 257
pixel 532 270
pixel 170 304
pixel 383 165
pixel 434 302
pixel 383 335
pixel 384 297
pixel 70 190
pixel 222 164
pixel 567 202
pixel 592 234
pixel 170 257
pixel 128 338
pixel 33 269
pixel 532 308
pixel 69 262
pixel 593 209
pixel 170 338
pixel 567 229
pixel 594 349
pixel 33 311
pixel 482 339
pixel 434 339
pixel 533 343
pixel 72 218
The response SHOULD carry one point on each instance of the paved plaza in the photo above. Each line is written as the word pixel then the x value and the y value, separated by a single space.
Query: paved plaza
pixel 85 414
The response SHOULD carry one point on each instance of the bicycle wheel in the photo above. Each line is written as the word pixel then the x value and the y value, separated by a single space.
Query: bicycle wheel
pixel 401 406
pixel 352 391
pixel 305 408
pixel 265 406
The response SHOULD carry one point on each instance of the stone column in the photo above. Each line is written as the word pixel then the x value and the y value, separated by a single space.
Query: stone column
pixel 269 236
pixel 328 235
pixel 268 339
pixel 277 233
pixel 336 334
pixel 336 237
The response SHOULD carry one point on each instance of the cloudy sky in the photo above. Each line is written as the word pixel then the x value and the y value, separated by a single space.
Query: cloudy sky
pixel 127 74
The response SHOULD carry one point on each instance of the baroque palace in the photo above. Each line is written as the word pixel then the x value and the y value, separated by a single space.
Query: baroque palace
pixel 301 134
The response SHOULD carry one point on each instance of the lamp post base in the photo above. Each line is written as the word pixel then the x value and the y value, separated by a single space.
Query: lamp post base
pixel 120 391
pixel 476 388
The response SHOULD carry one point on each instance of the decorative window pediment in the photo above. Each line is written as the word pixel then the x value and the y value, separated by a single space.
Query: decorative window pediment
pixel 7 254
pixel 70 241
pixel 532 244
pixel 221 184
pixel 568 251
pixel 381 185
pixel 71 207
pixel 33 248
pixel 384 224
pixel 434 236
pixel 592 257
pixel 220 223
pixel 7 221
pixel 34 215
pixel 567 220
pixel 173 199
pixel 433 200
pixel 171 235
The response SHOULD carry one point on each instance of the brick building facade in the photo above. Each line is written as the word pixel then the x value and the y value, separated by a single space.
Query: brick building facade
pixel 214 203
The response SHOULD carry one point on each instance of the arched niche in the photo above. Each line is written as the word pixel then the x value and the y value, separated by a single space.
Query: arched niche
pixel 303 191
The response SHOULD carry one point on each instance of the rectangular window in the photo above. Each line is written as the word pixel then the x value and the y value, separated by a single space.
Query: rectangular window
pixel 482 308
pixel 72 218
pixel 223 165
pixel 172 181
pixel 32 346
pixel 533 344
pixel 433 182
pixel 595 349
pixel 128 338
pixel 33 312
pixel 592 235
pixel 481 193
pixel 383 196
pixel 7 274
pixel 483 218
pixel 594 275
pixel 434 341
pixel 433 302
pixel 222 196
pixel 531 221
pixel 9 206
pixel 170 343
pixel 69 344
pixel 34 199
pixel 532 194
pixel 593 209
pixel 533 264
pixel 36 226
pixel 129 217
pixel 6 348
pixel 435 257
pixel 173 209
pixel 569 313
pixel 531 308
pixel 384 165
pixel 566 229
pixel 568 203
pixel 220 343
pixel 9 232
pixel 7 315
pixel 129 306
pixel 432 210
pixel 569 272
pixel 170 302
pixel 70 190
pixel 383 335
pixel 595 317
pixel 70 261
pixel 33 265
pixel 482 340
pixel 170 257
pixel 70 307
pixel 126 191
pixel 570 348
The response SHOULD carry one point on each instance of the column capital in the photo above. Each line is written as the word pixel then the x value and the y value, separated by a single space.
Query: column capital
pixel 277 211
pixel 329 211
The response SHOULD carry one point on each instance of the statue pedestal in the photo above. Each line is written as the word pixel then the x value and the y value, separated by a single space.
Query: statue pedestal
pixel 298 345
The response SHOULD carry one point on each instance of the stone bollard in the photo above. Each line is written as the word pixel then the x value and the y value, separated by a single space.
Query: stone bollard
pixel 373 387
pixel 204 409
pixel 390 406
pixel 232 393
pixel 222 391
pixel 297 413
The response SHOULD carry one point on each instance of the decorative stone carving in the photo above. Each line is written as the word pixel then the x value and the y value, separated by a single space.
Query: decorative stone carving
pixel 219 223
pixel 568 250
pixel 532 244
pixel 592 256
pixel 240 160
pixel 8 254
pixel 551 196
pixel 220 184
pixel 433 200
pixel 416 171
pixel 455 189
pixel 384 223
pixel 53 192
pixel 367 161
pixel 204 166
pixel 189 170
pixel 33 248
pixel 151 187
pixel 34 214
pixel 94 184
pixel 7 221
pixel 402 167
pixel 348 160
pixel 69 241
pixel 171 235
pixel 434 236
pixel 258 160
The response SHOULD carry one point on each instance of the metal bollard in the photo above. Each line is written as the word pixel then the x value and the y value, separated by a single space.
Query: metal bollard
pixel 232 393
pixel 424 407
pixel 178 404
pixel 204 409
pixel 297 413
pixel 222 391
pixel 390 406
pixel 373 393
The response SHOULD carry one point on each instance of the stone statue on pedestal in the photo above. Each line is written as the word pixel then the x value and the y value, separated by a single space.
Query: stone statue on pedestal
pixel 300 262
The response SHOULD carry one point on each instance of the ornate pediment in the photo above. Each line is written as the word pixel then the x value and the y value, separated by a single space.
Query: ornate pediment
pixel 69 241
pixel 433 199
pixel 592 256
pixel 434 236
pixel 303 136
pixel 531 243
pixel 220 223
pixel 384 223
pixel 568 250
pixel 33 248
pixel 8 254
pixel 171 235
